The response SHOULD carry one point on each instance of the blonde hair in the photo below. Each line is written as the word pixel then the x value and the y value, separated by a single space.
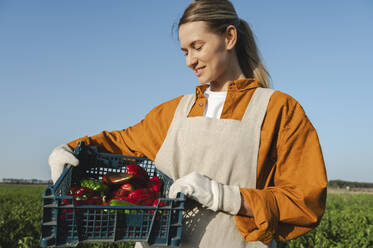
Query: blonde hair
pixel 219 14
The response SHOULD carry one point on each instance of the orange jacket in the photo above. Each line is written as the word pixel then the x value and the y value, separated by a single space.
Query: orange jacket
pixel 290 195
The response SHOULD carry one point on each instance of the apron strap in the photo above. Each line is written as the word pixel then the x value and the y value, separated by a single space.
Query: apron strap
pixel 184 106
pixel 257 107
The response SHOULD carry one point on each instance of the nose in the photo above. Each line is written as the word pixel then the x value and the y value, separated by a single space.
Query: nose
pixel 191 60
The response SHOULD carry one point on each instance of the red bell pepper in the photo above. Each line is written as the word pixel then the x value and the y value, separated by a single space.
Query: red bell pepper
pixel 161 203
pixel 127 186
pixel 155 179
pixel 141 177
pixel 144 197
pixel 86 196
pixel 124 189
pixel 84 193
pixel 73 189
pixel 155 183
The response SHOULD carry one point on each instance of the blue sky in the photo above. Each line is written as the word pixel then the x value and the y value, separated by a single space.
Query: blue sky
pixel 75 68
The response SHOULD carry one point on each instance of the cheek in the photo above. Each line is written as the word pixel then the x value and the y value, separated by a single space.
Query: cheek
pixel 210 58
pixel 216 56
pixel 206 56
pixel 219 62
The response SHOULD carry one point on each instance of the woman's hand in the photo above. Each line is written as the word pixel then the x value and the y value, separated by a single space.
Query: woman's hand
pixel 209 193
pixel 57 160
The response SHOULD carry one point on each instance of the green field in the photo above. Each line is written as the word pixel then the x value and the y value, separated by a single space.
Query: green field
pixel 348 221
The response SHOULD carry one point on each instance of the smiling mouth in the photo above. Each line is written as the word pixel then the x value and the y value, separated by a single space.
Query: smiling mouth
pixel 199 70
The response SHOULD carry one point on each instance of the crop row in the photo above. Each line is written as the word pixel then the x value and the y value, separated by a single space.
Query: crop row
pixel 347 222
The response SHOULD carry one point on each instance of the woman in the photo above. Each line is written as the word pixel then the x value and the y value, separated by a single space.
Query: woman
pixel 247 156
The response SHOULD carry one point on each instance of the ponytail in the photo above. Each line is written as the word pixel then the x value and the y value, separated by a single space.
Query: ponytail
pixel 219 14
pixel 248 55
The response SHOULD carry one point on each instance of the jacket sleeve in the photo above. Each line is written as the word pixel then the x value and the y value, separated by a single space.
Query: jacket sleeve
pixel 294 200
pixel 143 139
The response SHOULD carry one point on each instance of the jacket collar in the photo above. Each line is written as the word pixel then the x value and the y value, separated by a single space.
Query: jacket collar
pixel 234 86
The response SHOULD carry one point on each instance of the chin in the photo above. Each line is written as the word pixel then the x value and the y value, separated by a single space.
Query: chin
pixel 203 81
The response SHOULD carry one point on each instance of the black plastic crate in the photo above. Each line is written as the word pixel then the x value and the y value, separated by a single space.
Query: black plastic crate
pixel 67 225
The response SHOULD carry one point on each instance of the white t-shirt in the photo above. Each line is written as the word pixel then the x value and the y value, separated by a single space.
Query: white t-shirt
pixel 214 104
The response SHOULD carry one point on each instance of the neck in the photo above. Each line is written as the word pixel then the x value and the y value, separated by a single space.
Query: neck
pixel 223 84
pixel 234 73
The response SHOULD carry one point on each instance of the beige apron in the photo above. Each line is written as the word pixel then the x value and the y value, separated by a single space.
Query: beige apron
pixel 225 150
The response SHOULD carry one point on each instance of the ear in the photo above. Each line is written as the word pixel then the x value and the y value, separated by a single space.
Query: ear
pixel 230 37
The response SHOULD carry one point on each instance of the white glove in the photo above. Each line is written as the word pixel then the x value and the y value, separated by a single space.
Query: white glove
pixel 60 156
pixel 209 193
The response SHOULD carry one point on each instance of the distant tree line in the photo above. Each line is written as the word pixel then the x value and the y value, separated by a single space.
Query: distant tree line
pixel 331 183
pixel 345 184
pixel 25 181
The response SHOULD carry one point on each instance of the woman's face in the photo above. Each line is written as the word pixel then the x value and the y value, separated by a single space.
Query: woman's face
pixel 205 52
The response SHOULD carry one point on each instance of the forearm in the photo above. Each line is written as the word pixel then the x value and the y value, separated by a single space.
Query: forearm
pixel 111 142
pixel 143 139
pixel 260 216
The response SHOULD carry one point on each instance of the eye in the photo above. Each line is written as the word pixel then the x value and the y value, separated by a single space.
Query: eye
pixel 198 47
